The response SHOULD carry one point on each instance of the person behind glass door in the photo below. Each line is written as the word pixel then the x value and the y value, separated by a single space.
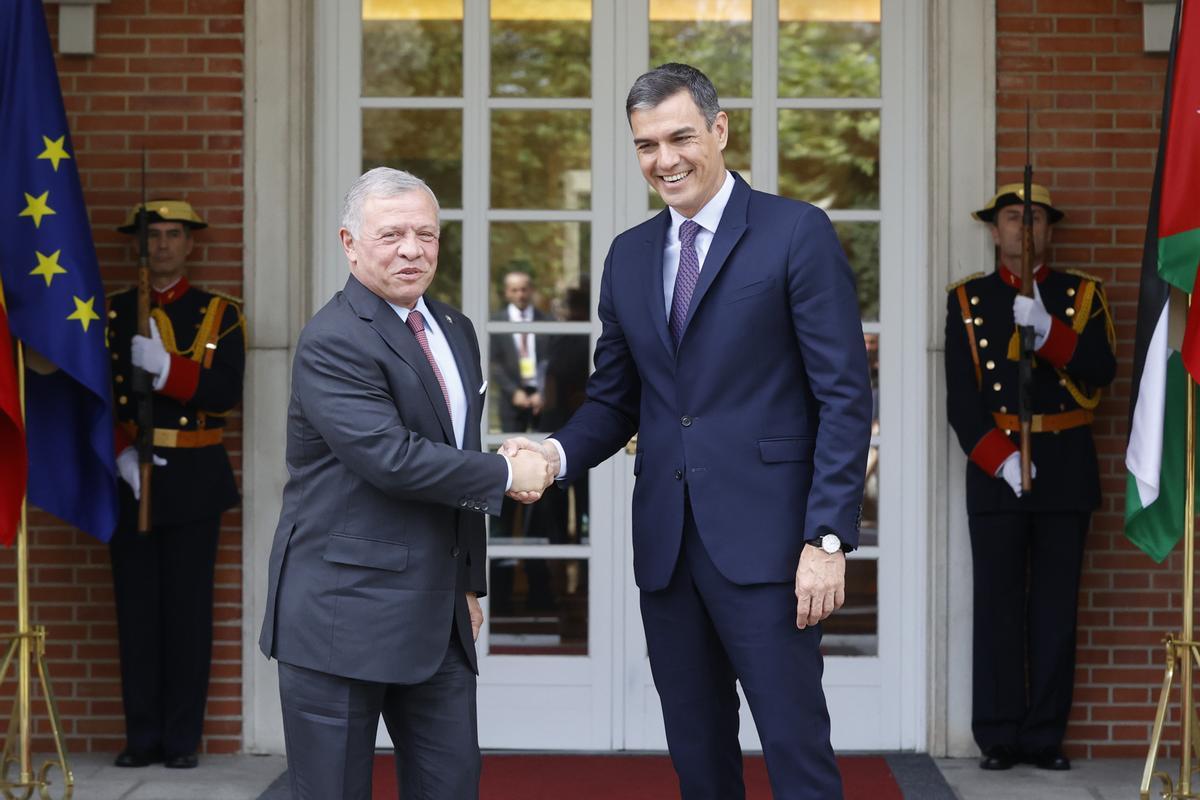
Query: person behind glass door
pixel 516 369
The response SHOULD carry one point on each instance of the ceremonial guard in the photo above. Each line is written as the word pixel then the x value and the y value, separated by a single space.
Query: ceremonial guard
pixel 1027 547
pixel 163 578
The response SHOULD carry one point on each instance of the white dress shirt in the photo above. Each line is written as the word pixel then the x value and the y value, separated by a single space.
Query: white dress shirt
pixel 517 315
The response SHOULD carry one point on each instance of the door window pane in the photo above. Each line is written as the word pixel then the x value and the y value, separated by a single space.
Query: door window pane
pixel 713 36
pixel 427 143
pixel 829 48
pixel 536 379
pixel 554 257
pixel 412 49
pixel 737 150
pixel 860 240
pixel 853 630
pixel 830 158
pixel 538 606
pixel 447 282
pixel 541 159
pixel 541 49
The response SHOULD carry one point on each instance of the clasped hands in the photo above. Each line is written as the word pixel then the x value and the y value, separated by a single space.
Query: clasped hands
pixel 535 466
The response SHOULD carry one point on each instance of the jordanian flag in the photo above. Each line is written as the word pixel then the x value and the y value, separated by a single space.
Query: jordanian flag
pixel 1156 457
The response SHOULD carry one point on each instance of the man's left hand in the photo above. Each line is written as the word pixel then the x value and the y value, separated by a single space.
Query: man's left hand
pixel 475 611
pixel 820 585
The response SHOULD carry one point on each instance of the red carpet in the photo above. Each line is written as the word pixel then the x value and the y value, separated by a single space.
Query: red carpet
pixel 621 777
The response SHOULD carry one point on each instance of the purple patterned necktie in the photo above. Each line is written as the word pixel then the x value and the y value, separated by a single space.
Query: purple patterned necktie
pixel 416 323
pixel 685 278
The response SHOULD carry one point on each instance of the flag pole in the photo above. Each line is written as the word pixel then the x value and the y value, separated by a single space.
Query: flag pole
pixel 1189 575
pixel 1183 652
pixel 29 645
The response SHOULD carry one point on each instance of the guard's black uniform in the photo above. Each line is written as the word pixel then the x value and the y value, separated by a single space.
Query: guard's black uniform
pixel 1027 551
pixel 164 581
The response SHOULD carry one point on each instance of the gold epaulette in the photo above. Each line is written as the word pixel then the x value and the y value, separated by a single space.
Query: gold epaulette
pixel 951 287
pixel 237 301
pixel 1085 275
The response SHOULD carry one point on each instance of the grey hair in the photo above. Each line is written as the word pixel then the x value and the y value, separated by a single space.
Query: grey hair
pixel 380 182
pixel 667 80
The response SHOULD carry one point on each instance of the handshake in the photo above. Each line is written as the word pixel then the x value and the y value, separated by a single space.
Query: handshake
pixel 535 465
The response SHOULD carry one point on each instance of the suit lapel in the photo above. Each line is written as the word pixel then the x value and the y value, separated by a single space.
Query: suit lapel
pixel 655 245
pixel 468 369
pixel 729 232
pixel 400 339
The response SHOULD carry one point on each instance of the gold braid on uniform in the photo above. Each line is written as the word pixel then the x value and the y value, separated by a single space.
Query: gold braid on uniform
pixel 1089 290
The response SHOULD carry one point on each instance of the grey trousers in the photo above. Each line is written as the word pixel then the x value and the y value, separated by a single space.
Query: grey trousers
pixel 329 725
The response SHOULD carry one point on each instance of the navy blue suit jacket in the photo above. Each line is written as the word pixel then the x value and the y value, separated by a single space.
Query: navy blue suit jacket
pixel 764 411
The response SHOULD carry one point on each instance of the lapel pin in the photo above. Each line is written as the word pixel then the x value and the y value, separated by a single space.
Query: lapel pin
pixel 448 320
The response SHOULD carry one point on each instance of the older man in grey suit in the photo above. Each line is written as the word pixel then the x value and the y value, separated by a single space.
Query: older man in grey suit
pixel 379 556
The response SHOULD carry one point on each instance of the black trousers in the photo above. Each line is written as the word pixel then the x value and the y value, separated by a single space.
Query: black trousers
pixel 1026 592
pixel 163 584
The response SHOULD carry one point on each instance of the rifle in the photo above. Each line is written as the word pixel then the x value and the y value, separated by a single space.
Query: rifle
pixel 1028 336
pixel 141 380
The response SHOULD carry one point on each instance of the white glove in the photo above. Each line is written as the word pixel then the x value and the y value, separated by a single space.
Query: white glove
pixel 1031 312
pixel 127 468
pixel 1010 471
pixel 150 355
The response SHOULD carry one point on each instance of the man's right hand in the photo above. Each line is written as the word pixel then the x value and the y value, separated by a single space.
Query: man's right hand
pixel 518 444
pixel 530 473
pixel 1010 472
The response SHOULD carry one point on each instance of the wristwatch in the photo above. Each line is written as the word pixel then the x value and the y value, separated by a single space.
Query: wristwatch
pixel 828 542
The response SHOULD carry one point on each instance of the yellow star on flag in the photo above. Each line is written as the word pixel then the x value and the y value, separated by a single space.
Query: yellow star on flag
pixel 84 312
pixel 48 266
pixel 36 207
pixel 55 151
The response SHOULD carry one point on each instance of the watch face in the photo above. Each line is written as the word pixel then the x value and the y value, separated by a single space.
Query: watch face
pixel 830 543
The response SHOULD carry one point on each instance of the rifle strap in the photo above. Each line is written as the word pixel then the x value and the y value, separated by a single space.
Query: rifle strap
pixel 969 324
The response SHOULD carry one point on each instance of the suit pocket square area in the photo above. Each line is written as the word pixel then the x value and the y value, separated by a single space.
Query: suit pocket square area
pixel 750 290
pixel 357 551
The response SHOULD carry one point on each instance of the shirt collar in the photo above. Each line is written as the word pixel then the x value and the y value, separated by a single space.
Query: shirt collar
pixel 1040 273
pixel 173 292
pixel 430 323
pixel 517 315
pixel 710 216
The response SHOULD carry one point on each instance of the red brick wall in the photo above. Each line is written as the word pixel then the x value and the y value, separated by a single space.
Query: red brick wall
pixel 1097 102
pixel 167 76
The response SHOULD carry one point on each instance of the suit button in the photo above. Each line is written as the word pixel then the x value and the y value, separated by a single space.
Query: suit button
pixel 685 422
pixel 483 507
pixel 454 551
pixel 462 503
pixel 983 342
pixel 678 474
pixel 183 421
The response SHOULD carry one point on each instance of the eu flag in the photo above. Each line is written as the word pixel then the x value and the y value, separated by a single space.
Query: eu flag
pixel 53 293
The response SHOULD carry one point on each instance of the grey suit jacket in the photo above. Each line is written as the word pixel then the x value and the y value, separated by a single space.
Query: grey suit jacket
pixel 380 532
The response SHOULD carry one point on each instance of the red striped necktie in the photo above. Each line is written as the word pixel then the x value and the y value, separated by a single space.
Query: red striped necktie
pixel 416 323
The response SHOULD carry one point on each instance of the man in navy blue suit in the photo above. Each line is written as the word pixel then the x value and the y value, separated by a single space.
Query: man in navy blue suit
pixel 732 346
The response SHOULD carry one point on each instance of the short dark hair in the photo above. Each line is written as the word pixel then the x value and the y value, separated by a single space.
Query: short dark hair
pixel 667 80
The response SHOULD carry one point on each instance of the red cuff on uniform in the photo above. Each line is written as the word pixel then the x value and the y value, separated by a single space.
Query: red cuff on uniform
pixel 1060 344
pixel 182 380
pixel 989 453
pixel 121 439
